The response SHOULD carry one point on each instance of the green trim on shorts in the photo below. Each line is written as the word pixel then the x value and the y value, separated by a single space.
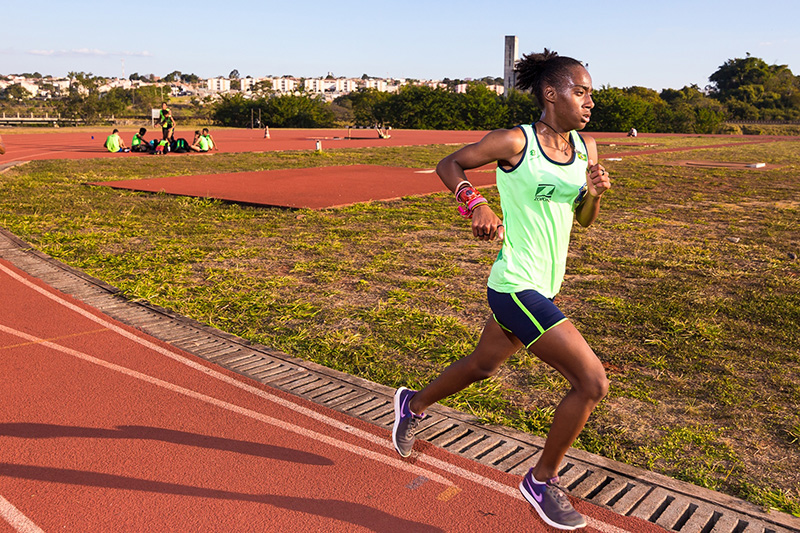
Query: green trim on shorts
pixel 535 322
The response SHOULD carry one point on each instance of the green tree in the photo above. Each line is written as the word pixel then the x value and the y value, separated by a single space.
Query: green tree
pixel 424 108
pixel 752 89
pixel 690 111
pixel 522 108
pixel 233 110
pixel 83 99
pixel 297 111
pixel 367 106
pixel 620 110
pixel 482 109
pixel 172 77
pixel 263 87
pixel 16 92
pixel 190 78
pixel 285 111
pixel 146 98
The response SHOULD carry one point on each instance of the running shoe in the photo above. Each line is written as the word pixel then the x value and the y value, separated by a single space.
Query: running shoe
pixel 405 422
pixel 551 503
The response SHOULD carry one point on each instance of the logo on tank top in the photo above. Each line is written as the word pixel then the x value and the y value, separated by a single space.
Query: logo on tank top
pixel 544 192
pixel 582 156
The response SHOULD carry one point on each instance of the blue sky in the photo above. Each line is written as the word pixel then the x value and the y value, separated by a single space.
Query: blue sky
pixel 665 44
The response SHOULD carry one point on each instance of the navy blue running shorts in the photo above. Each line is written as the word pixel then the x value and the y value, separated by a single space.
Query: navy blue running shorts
pixel 526 314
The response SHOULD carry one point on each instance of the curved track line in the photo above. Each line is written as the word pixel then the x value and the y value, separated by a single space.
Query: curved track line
pixel 286 426
pixel 18 521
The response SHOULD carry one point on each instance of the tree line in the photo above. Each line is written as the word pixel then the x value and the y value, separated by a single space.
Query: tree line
pixel 742 89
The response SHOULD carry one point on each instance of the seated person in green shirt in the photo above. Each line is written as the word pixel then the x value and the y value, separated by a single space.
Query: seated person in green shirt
pixel 203 142
pixel 114 143
pixel 138 144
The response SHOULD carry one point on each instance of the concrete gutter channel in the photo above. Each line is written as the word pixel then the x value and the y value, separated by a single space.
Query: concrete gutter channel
pixel 672 504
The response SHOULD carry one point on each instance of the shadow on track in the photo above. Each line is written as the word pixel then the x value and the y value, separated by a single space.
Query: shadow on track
pixel 353 513
pixel 256 449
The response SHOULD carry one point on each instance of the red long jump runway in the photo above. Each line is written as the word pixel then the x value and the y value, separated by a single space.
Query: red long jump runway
pixel 80 144
pixel 313 188
pixel 103 428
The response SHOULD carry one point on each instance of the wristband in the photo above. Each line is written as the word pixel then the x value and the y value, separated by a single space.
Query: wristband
pixel 466 194
pixel 479 200
pixel 458 187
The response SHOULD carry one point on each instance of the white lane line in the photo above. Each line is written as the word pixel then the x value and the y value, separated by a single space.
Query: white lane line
pixel 286 426
pixel 452 469
pixel 18 521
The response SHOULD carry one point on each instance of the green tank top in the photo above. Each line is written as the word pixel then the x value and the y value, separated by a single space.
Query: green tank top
pixel 165 119
pixel 204 143
pixel 538 198
pixel 112 143
pixel 136 140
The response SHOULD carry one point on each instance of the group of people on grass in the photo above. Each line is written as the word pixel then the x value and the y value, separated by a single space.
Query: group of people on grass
pixel 202 142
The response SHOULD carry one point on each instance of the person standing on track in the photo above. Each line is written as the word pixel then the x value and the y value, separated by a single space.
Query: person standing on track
pixel 167 122
pixel 546 175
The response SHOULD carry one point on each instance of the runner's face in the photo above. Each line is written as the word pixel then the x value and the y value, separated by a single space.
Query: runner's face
pixel 575 104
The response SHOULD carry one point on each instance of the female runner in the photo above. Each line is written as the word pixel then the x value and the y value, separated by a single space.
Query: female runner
pixel 546 175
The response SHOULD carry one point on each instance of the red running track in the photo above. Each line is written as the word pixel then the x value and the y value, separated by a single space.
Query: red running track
pixel 80 145
pixel 107 429
pixel 313 188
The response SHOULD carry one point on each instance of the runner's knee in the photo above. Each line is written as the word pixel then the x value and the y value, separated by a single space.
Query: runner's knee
pixel 594 387
pixel 481 368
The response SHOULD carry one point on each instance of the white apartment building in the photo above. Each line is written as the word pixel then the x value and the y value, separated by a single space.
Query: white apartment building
pixel 316 85
pixel 284 85
pixel 219 85
pixel 462 88
pixel 346 85
pixel 381 85
pixel 246 84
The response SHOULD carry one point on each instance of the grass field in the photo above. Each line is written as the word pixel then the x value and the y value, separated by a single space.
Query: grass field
pixel 687 287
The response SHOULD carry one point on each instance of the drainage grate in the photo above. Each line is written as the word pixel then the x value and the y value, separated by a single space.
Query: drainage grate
pixel 674 505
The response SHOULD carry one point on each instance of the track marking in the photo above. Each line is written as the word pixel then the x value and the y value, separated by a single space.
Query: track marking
pixel 286 426
pixel 18 521
pixel 54 338
pixel 452 469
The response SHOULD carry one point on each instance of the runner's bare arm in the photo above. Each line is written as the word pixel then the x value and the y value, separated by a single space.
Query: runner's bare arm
pixel 503 146
pixel 597 182
pixel 498 145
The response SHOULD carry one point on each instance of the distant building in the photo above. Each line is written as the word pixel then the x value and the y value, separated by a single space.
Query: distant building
pixel 284 85
pixel 218 85
pixel 345 85
pixel 462 88
pixel 246 84
pixel 499 89
pixel 378 84
pixel 315 85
